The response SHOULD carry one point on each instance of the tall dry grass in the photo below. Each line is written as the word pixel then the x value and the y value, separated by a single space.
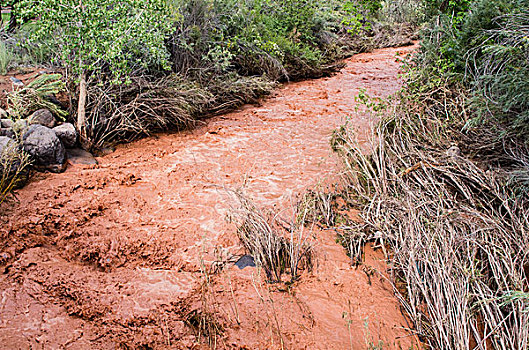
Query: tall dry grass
pixel 458 232
pixel 278 246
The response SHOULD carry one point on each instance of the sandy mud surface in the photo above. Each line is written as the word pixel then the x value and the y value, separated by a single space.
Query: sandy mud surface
pixel 120 254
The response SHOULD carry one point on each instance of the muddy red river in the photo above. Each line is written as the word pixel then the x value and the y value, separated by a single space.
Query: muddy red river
pixel 119 255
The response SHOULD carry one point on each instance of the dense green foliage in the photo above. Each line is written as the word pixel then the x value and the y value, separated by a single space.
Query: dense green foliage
pixel 279 38
pixel 118 36
pixel 483 46
pixel 125 37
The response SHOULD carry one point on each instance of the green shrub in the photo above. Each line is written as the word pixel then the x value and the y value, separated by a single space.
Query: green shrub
pixel 482 45
pixel 402 11
pixel 502 72
pixel 253 37
pixel 116 37
pixel 113 46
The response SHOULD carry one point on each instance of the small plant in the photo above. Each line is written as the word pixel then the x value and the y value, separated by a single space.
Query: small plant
pixel 346 315
pixel 14 164
pixel 204 321
pixel 6 58
pixel 35 95
pixel 370 343
pixel 516 298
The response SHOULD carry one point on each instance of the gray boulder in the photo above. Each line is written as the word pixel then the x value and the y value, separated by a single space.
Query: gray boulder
pixel 42 117
pixel 67 134
pixel 79 156
pixel 4 142
pixel 3 113
pixel 7 123
pixel 45 148
pixel 7 132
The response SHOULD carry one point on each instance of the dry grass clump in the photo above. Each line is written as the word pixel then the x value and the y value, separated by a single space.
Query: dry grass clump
pixel 129 111
pixel 277 246
pixel 125 112
pixel 458 233
pixel 204 319
pixel 233 91
pixel 317 206
pixel 14 169
pixel 383 35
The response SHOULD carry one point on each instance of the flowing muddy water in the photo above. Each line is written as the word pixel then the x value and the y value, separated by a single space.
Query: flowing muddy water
pixel 112 255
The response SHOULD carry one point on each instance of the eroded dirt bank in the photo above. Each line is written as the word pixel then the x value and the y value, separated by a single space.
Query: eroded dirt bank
pixel 112 255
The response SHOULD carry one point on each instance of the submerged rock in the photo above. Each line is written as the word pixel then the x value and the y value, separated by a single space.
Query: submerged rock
pixel 105 151
pixel 79 156
pixel 45 148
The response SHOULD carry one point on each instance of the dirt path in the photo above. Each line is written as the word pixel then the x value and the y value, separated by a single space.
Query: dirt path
pixel 111 255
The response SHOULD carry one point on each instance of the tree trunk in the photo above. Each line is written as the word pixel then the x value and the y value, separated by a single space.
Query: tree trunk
pixel 81 112
pixel 81 106
pixel 13 24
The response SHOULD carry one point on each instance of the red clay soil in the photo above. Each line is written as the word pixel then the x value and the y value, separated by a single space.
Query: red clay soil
pixel 113 255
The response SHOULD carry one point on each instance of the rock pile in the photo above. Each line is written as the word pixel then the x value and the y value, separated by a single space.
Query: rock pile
pixel 41 136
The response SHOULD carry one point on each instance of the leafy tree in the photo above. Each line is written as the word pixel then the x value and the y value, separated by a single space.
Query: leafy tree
pixel 359 13
pixel 109 39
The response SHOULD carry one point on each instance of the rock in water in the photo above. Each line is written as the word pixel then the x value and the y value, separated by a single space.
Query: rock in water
pixel 245 261
pixel 45 148
pixel 16 81
pixel 43 117
pixel 105 151
pixel 67 134
pixel 79 156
